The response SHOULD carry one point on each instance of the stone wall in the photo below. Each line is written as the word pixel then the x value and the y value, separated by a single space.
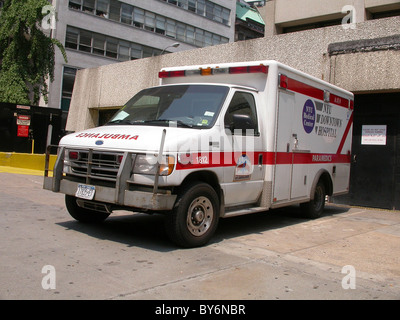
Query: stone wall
pixel 359 71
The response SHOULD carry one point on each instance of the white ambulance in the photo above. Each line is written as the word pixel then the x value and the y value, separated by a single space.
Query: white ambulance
pixel 212 141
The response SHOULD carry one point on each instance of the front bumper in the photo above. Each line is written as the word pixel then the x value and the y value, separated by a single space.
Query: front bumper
pixel 120 195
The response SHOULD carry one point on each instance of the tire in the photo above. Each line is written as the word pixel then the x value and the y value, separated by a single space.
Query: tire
pixel 195 216
pixel 81 214
pixel 314 208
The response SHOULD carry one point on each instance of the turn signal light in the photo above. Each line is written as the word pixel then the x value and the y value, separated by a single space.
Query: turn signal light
pixel 73 155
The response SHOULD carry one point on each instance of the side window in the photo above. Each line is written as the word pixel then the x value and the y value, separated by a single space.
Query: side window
pixel 242 114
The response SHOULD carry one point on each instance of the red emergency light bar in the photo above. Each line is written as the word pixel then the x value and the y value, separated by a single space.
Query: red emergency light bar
pixel 249 69
pixel 211 71
pixel 171 74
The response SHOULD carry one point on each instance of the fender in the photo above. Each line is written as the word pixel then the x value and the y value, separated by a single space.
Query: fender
pixel 326 178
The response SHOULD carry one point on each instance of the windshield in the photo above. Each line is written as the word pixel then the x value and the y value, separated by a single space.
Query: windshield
pixel 194 106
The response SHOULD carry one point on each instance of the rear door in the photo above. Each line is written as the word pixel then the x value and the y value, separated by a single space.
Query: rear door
pixel 284 146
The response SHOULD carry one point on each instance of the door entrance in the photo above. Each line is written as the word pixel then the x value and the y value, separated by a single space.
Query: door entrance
pixel 375 168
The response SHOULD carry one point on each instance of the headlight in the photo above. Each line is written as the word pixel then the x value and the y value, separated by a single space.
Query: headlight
pixel 147 164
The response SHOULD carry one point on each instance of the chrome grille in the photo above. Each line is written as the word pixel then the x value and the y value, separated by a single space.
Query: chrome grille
pixel 92 164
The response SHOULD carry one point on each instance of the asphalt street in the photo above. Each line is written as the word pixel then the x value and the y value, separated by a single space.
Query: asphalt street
pixel 349 253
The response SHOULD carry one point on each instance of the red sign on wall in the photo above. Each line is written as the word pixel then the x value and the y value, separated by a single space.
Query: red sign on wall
pixel 23 131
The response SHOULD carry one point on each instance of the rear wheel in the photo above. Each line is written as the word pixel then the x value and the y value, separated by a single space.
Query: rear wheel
pixel 314 208
pixel 195 217
pixel 82 214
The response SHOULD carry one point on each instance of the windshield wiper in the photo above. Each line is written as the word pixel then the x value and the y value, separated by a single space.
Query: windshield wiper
pixel 124 121
pixel 179 123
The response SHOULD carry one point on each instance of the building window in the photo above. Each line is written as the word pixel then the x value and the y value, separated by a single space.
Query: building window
pixel 160 25
pixel 190 35
pixel 123 51
pixel 88 6
pixel 192 5
pixel 225 16
pixel 102 8
pixel 71 40
pixel 150 21
pixel 199 37
pixel 143 19
pixel 171 28
pixel 136 51
pixel 201 7
pixel 101 45
pixel 183 4
pixel 126 13
pixel 115 10
pixel 85 41
pixel 99 41
pixel 112 48
pixel 69 74
pixel 75 4
pixel 180 31
pixel 385 14
pixel 321 24
pixel 138 17
pixel 204 8
pixel 207 38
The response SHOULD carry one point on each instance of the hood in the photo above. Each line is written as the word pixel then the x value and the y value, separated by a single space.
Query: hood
pixel 137 138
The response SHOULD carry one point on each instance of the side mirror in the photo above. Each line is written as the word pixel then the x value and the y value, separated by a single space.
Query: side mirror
pixel 241 122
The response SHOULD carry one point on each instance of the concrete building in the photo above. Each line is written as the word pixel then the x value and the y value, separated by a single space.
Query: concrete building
pixel 284 16
pixel 102 32
pixel 354 44
pixel 249 22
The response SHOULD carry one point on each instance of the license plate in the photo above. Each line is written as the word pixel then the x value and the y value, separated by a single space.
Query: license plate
pixel 85 191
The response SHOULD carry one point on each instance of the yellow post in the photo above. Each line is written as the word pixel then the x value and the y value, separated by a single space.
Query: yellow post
pixel 33 145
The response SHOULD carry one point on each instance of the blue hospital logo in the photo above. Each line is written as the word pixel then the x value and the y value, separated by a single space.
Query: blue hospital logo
pixel 308 116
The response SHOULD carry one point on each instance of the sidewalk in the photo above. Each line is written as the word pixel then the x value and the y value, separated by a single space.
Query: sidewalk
pixel 264 256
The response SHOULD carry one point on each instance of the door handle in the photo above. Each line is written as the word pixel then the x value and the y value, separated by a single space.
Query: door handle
pixel 295 141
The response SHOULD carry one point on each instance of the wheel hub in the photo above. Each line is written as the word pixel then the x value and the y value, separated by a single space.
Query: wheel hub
pixel 199 216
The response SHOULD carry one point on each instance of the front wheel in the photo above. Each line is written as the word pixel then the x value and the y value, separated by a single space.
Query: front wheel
pixel 195 216
pixel 82 214
pixel 315 207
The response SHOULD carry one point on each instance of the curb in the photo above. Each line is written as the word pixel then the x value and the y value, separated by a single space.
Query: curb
pixel 13 162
